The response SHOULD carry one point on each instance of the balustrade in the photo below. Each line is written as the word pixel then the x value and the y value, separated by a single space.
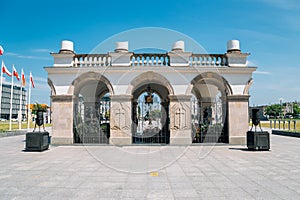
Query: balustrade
pixel 213 60
pixel 150 60
pixel 92 60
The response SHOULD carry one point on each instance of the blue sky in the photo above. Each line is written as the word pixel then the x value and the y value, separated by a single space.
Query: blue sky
pixel 268 29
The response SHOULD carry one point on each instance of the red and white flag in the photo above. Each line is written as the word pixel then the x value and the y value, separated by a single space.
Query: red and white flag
pixel 31 80
pixel 15 73
pixel 5 70
pixel 1 51
pixel 23 78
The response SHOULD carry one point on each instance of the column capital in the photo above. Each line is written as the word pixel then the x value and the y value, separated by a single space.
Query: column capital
pixel 238 98
pixel 121 98
pixel 181 97
pixel 63 98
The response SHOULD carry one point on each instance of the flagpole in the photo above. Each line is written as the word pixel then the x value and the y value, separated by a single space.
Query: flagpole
pixel 11 98
pixel 1 87
pixel 20 111
pixel 28 104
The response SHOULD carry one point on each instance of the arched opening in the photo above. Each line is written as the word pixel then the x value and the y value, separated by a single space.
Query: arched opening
pixel 209 109
pixel 150 114
pixel 91 109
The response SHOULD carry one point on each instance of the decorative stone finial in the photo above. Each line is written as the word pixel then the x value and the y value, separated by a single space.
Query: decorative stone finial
pixel 178 46
pixel 67 46
pixel 121 47
pixel 233 45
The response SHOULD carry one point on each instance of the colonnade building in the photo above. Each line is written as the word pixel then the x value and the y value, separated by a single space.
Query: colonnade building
pixel 175 98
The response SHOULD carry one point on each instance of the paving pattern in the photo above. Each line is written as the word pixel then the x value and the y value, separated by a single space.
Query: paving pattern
pixel 150 172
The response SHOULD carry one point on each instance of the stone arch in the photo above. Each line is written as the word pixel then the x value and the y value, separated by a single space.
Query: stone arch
pixel 211 91
pixel 87 77
pixel 150 84
pixel 147 78
pixel 53 90
pixel 211 78
pixel 91 108
pixel 247 87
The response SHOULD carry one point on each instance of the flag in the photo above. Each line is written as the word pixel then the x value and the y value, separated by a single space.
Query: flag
pixel 1 51
pixel 31 80
pixel 5 70
pixel 15 73
pixel 23 79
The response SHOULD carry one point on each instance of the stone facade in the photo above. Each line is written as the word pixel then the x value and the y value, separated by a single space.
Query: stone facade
pixel 175 76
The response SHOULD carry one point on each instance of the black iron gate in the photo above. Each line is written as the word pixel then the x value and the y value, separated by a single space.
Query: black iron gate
pixel 209 121
pixel 91 125
pixel 150 118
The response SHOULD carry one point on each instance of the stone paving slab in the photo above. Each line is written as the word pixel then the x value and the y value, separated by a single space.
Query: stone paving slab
pixel 150 172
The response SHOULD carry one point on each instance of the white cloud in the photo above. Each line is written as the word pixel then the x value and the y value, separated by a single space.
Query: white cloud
pixel 41 50
pixel 11 54
pixel 27 56
pixel 40 79
pixel 261 35
pixel 262 72
pixel 283 4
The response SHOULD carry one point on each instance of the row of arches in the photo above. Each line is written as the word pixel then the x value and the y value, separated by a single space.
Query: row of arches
pixel 150 108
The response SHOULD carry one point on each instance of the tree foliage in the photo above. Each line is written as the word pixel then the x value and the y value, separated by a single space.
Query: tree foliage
pixel 273 110
pixel 276 109
pixel 296 109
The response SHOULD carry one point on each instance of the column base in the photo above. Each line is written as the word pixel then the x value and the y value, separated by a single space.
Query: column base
pixel 239 140
pixel 180 137
pixel 181 141
pixel 61 140
pixel 120 141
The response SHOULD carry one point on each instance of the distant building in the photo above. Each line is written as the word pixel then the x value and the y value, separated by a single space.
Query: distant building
pixel 5 101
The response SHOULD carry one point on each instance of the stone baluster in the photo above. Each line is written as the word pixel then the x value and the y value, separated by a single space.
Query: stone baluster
pixel 76 62
pixel 81 61
pixel 95 61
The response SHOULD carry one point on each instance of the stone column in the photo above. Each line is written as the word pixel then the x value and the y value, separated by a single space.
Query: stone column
pixel 62 119
pixel 120 120
pixel 238 108
pixel 180 120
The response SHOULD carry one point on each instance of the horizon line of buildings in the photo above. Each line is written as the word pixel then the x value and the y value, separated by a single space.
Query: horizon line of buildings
pixel 5 103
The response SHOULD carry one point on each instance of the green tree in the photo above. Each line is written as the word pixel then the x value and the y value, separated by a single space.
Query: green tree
pixel 273 110
pixel 296 109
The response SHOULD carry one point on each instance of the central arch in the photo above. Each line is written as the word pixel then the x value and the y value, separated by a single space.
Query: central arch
pixel 150 109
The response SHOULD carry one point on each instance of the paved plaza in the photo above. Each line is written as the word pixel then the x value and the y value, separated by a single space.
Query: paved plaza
pixel 150 172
